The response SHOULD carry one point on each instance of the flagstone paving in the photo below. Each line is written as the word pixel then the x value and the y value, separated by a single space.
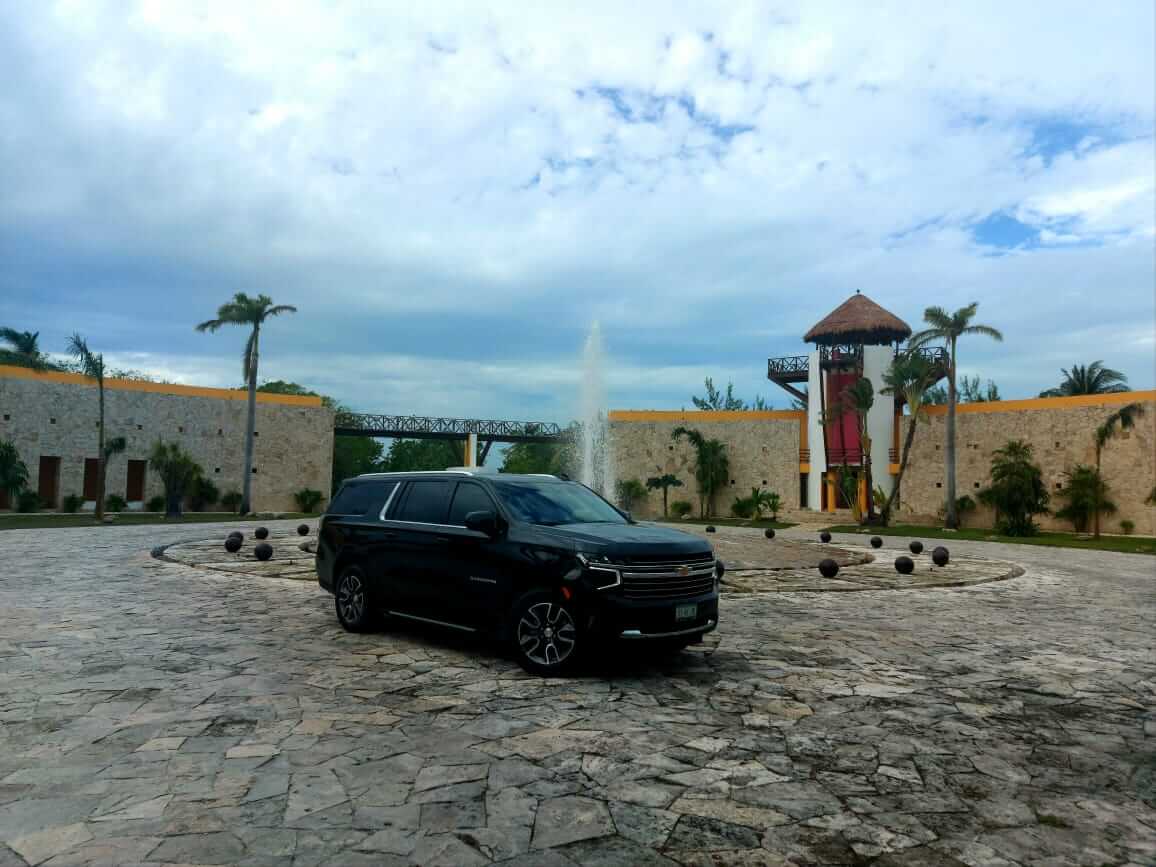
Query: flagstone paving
pixel 157 713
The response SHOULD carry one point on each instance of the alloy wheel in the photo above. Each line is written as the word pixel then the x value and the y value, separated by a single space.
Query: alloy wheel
pixel 351 598
pixel 546 634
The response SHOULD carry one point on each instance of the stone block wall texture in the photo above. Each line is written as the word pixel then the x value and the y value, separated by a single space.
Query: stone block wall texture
pixel 56 415
pixel 763 448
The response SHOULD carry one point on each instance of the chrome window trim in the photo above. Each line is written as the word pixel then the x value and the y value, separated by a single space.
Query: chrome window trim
pixel 388 500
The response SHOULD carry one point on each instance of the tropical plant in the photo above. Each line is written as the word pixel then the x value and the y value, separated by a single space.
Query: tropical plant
pixel 936 395
pixel 847 488
pixel 115 503
pixel 681 508
pixel 859 397
pixel 1091 378
pixel 663 483
pixel 232 501
pixel 753 506
pixel 727 401
pixel 1127 527
pixel 743 507
pixel 202 494
pixel 772 502
pixel 908 378
pixel 178 473
pixel 1017 491
pixel 308 500
pixel 28 501
pixel 949 327
pixel 156 504
pixel 72 503
pixel 970 391
pixel 251 313
pixel 1085 493
pixel 712 466
pixel 23 349
pixel 628 492
pixel 91 365
pixel 13 472
pixel 1123 419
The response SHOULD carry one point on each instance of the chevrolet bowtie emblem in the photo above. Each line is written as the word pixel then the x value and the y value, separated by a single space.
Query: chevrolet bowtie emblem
pixel 683 571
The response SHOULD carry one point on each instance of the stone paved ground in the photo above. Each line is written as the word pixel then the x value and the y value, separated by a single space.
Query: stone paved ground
pixel 155 714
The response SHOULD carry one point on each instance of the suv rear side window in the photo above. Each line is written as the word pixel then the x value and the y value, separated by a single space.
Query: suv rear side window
pixel 426 503
pixel 362 498
pixel 468 498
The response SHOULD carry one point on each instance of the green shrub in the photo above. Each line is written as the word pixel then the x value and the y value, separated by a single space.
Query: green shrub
pixel 114 503
pixel 202 494
pixel 232 501
pixel 13 472
pixel 1127 526
pixel 28 501
pixel 743 507
pixel 308 500
pixel 681 508
pixel 1084 485
pixel 178 473
pixel 71 504
pixel 1017 491
pixel 629 492
pixel 156 504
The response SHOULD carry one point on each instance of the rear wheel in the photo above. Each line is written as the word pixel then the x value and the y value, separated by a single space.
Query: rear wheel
pixel 547 640
pixel 353 602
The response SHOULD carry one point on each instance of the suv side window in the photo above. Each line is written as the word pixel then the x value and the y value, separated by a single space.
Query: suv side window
pixel 362 498
pixel 469 497
pixel 426 502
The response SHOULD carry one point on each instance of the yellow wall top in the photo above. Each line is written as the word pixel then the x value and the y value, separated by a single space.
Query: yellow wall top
pixel 11 372
pixel 1032 403
pixel 642 415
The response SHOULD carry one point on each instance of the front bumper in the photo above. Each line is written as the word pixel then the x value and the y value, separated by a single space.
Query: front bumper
pixel 613 617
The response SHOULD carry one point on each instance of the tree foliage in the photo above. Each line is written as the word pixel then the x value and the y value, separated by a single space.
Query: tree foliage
pixel 628 492
pixel 13 472
pixel 970 391
pixel 1117 422
pixel 22 349
pixel 664 483
pixel 907 379
pixel 1085 494
pixel 727 401
pixel 712 466
pixel 1017 491
pixel 177 471
pixel 1091 378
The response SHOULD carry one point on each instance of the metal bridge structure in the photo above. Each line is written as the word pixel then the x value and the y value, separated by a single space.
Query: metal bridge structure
pixel 470 430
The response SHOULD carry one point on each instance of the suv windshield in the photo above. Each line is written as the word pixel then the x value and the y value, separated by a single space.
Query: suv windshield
pixel 553 503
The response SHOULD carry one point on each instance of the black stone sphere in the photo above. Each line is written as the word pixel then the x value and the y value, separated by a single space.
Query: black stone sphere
pixel 828 568
pixel 876 542
pixel 233 544
pixel 769 532
pixel 263 551
pixel 710 528
pixel 238 534
pixel 904 565
pixel 303 530
pixel 261 532
pixel 916 547
pixel 824 536
pixel 940 556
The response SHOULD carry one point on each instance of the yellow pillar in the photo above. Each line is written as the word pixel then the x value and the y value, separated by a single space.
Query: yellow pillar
pixel 471 450
pixel 832 500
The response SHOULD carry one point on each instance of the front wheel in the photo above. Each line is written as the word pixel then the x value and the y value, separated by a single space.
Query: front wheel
pixel 547 639
pixel 352 601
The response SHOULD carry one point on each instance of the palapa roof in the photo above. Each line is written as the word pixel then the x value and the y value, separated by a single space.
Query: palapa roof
pixel 858 320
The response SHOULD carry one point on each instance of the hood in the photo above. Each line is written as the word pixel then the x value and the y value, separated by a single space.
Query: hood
pixel 627 539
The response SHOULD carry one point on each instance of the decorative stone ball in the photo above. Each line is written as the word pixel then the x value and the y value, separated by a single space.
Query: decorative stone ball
pixel 303 530
pixel 876 542
pixel 904 565
pixel 261 532
pixel 824 536
pixel 710 528
pixel 828 568
pixel 233 544
pixel 940 556
pixel 263 551
pixel 916 547
pixel 769 532
pixel 238 534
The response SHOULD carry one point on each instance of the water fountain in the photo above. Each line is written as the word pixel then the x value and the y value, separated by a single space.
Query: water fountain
pixel 597 457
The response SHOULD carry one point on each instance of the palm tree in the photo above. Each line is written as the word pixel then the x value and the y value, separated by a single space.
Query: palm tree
pixel 909 378
pixel 664 483
pixel 23 349
pixel 712 466
pixel 13 472
pixel 251 312
pixel 1093 378
pixel 949 327
pixel 92 365
pixel 859 397
pixel 1121 420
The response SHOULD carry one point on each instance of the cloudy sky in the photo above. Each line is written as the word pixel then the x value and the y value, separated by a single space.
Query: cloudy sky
pixel 452 193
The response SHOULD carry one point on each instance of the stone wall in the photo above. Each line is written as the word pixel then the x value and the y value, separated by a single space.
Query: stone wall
pixel 56 415
pixel 763 448
pixel 1060 431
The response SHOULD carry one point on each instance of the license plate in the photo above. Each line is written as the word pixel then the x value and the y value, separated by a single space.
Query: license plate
pixel 686 612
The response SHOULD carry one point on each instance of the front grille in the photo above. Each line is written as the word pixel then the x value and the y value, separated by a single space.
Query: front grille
pixel 673 578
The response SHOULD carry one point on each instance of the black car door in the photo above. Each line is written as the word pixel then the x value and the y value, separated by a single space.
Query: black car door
pixel 353 526
pixel 415 567
pixel 474 573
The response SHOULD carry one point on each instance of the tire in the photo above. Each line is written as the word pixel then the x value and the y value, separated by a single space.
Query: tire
pixel 545 635
pixel 353 602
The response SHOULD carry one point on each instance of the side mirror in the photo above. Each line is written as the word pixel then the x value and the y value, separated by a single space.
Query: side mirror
pixel 482 522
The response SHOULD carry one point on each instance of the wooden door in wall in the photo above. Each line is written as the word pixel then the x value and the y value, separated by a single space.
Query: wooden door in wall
pixel 91 478
pixel 48 487
pixel 134 489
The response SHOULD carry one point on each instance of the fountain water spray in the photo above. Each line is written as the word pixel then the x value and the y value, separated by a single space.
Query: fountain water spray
pixel 597 457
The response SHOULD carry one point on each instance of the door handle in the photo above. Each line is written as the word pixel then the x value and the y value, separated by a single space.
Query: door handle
pixel 442 540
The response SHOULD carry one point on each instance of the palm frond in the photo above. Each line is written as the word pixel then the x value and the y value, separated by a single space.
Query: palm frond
pixel 986 330
pixel 279 309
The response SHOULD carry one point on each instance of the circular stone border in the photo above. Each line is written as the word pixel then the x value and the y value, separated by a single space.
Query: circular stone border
pixel 291 560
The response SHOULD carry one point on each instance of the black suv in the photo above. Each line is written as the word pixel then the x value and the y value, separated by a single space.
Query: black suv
pixel 542 563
